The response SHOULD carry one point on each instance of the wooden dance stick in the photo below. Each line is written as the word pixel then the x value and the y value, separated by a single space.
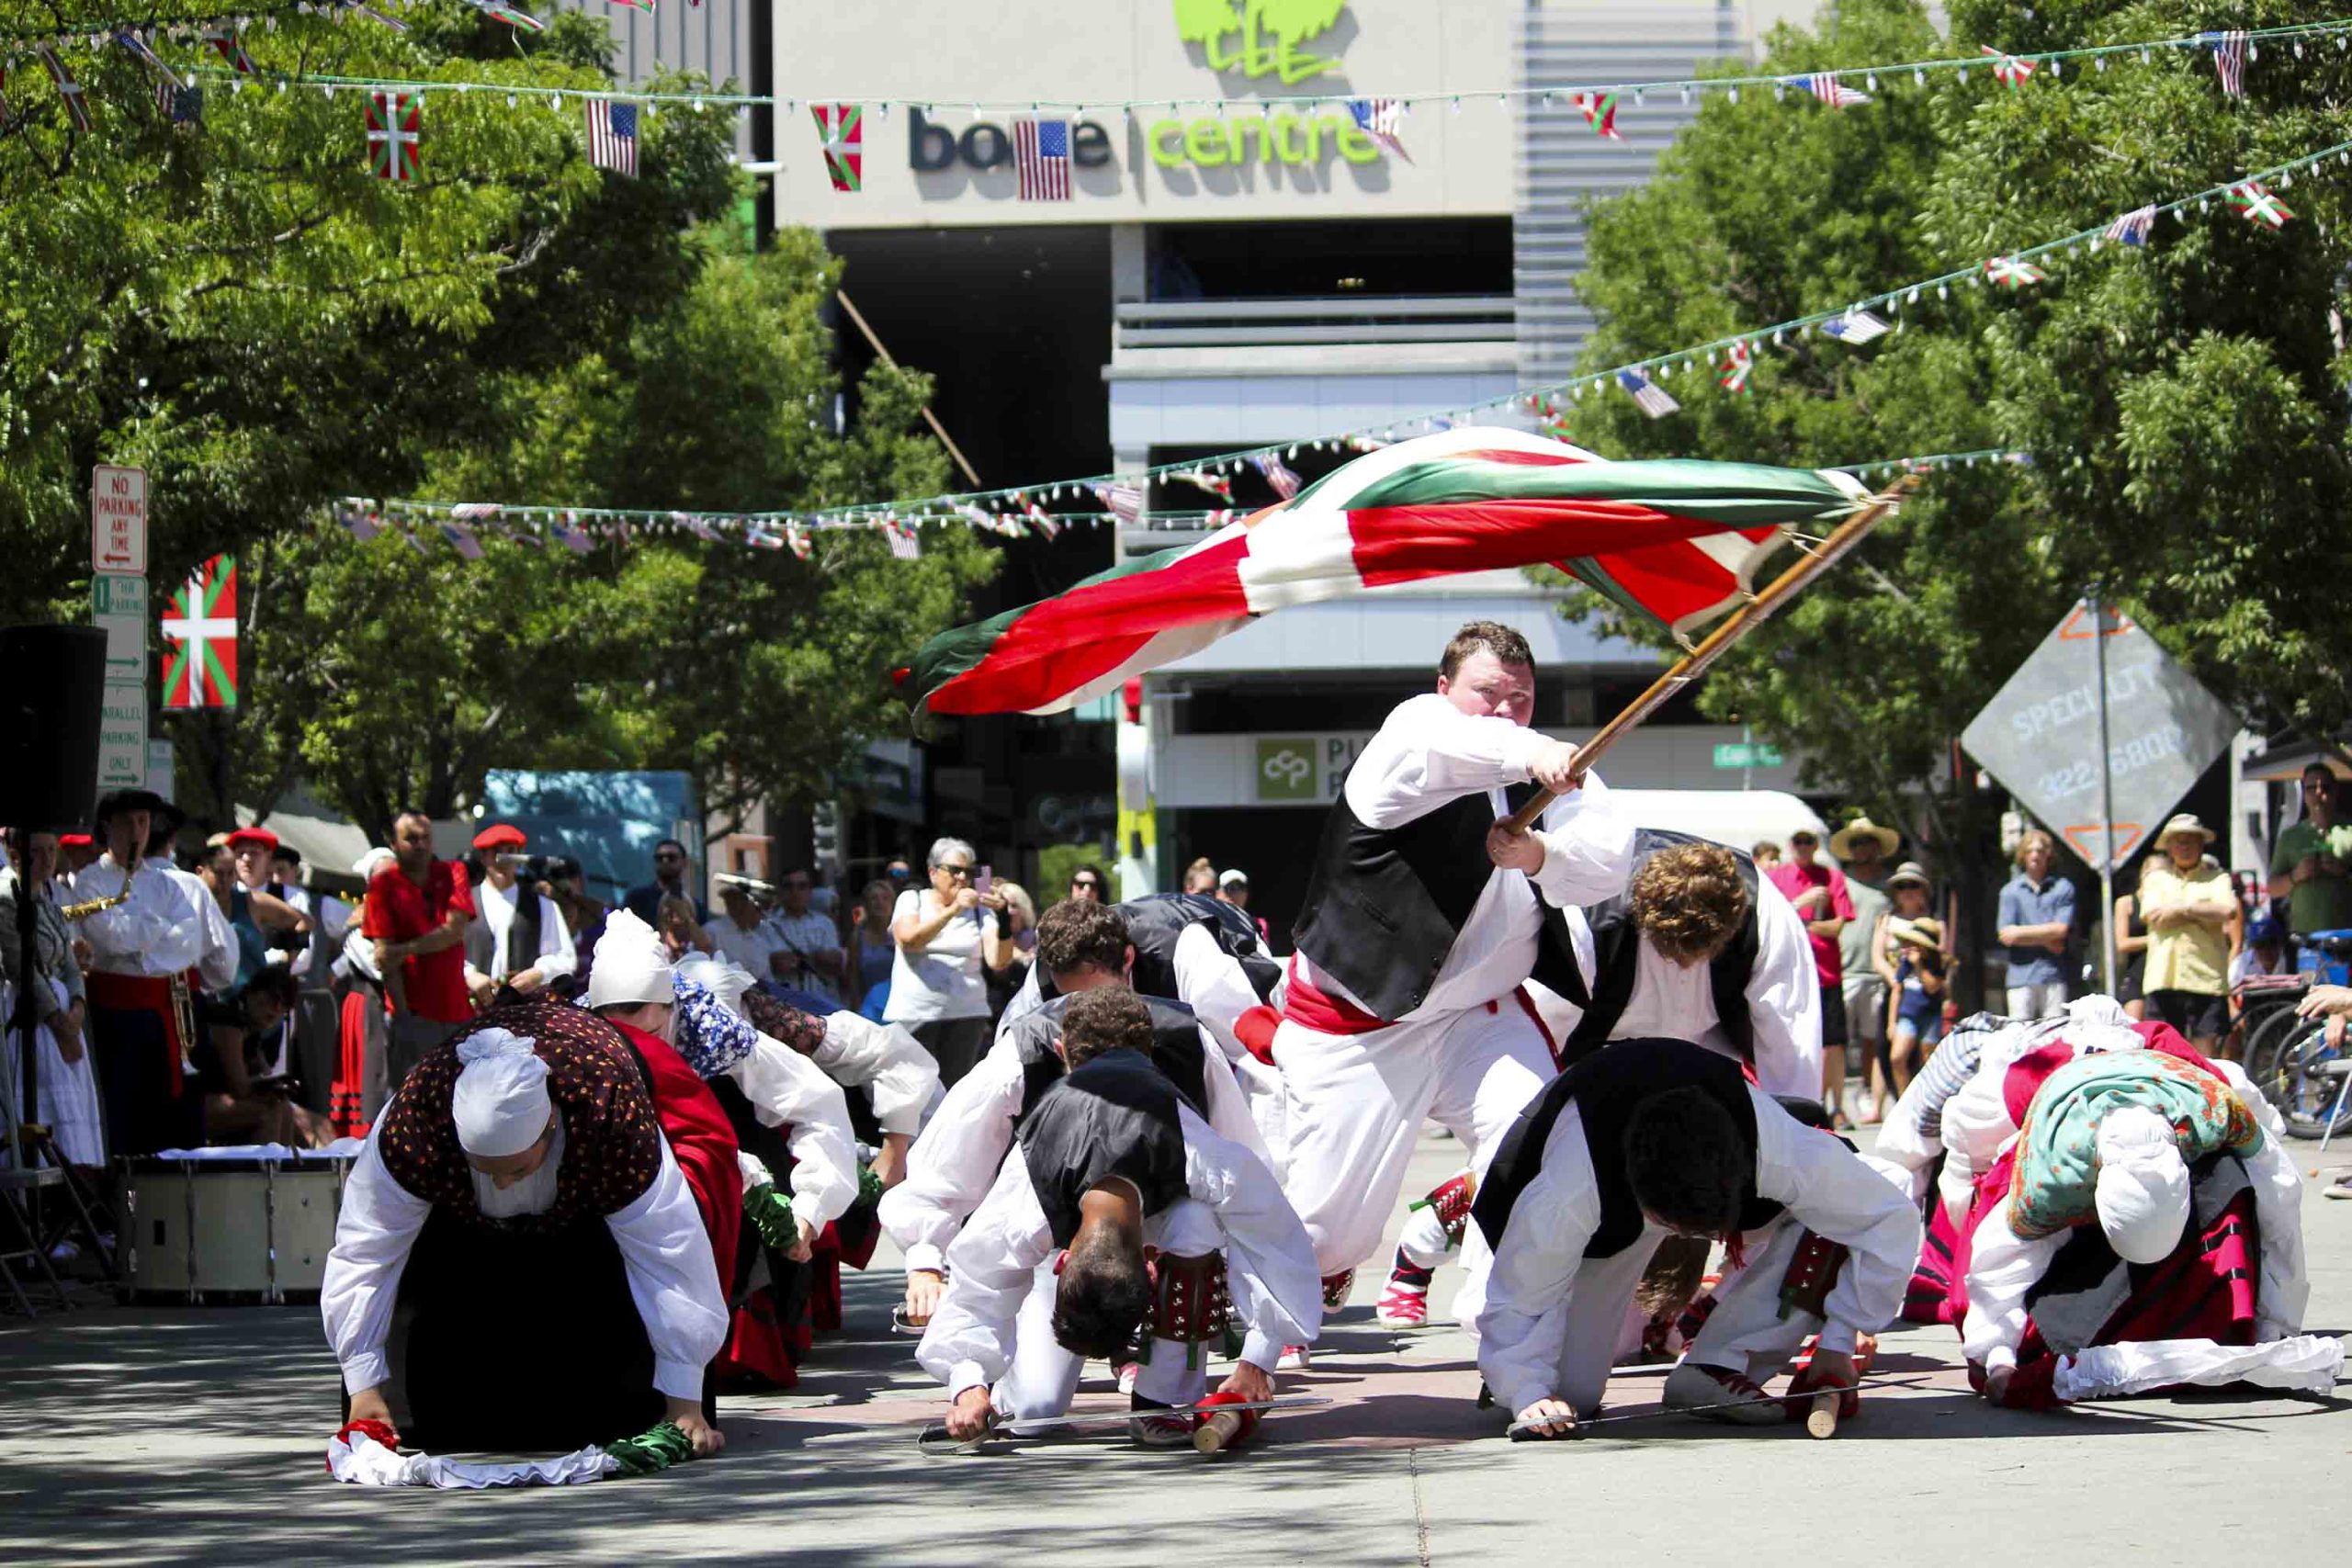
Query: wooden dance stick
pixel 1217 1431
pixel 1821 1421
pixel 1733 627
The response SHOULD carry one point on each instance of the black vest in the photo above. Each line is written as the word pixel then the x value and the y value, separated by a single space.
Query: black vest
pixel 1115 1116
pixel 1157 919
pixel 1385 904
pixel 1606 1087
pixel 1175 1051
pixel 1616 949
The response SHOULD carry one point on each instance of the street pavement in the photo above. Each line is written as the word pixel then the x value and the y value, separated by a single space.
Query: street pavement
pixel 167 1436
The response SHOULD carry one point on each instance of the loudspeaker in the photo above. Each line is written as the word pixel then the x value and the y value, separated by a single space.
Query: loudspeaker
pixel 52 689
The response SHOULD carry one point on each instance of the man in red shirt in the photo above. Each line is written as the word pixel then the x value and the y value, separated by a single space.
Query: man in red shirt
pixel 1818 891
pixel 418 908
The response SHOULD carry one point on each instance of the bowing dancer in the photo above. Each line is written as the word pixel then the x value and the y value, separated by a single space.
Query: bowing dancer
pixel 1662 1138
pixel 521 1176
pixel 2147 1201
pixel 1111 1164
pixel 1422 920
pixel 1697 945
pixel 1082 946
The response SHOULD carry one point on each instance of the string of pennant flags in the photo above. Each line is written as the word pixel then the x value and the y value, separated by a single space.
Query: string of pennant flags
pixel 462 525
pixel 1732 359
pixel 841 125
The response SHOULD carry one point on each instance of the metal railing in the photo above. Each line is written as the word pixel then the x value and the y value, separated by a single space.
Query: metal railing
pixel 1228 323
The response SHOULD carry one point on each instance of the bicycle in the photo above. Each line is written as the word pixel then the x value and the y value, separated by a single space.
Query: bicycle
pixel 2289 1058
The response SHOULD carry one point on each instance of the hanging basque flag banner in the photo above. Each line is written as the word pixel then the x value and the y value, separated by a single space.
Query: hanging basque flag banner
pixel 395 135
pixel 200 638
pixel 842 128
pixel 1678 542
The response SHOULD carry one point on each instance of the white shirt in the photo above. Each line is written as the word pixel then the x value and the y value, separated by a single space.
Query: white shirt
pixel 941 979
pixel 497 905
pixel 804 934
pixel 787 1088
pixel 171 924
pixel 1671 1002
pixel 1826 1186
pixel 2003 1266
pixel 665 1250
pixel 1428 754
pixel 950 1167
pixel 900 1078
pixel 1270 1263
pixel 749 949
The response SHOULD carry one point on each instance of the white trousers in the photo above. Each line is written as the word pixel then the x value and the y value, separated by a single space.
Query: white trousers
pixel 2047 999
pixel 1354 1104
pixel 1745 1333
pixel 1261 1087
pixel 1036 1389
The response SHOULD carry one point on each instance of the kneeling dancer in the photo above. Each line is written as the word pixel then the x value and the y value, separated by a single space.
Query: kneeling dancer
pixel 1158 1218
pixel 1662 1138
pixel 521 1175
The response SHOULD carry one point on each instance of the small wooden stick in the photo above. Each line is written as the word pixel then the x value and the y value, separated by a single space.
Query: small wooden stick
pixel 1217 1431
pixel 1821 1421
pixel 1738 623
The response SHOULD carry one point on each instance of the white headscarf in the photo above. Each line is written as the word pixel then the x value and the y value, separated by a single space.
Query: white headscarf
pixel 2142 1193
pixel 501 1103
pixel 632 967
pixel 721 976
pixel 375 860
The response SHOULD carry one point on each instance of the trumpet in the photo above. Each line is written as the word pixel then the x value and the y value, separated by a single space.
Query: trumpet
pixel 89 907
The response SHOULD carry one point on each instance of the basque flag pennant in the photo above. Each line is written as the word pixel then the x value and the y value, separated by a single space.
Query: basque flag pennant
pixel 2008 68
pixel 77 107
pixel 1738 365
pixel 200 638
pixel 2255 204
pixel 840 128
pixel 395 135
pixel 231 48
pixel 1600 111
pixel 2008 272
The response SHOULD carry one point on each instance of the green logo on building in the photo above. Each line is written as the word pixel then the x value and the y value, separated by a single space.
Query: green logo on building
pixel 1259 37
pixel 1287 770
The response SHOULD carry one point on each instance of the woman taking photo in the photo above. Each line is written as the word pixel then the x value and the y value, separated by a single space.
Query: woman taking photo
pixel 945 932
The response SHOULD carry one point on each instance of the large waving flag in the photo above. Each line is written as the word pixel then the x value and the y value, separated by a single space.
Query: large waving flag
pixel 1678 541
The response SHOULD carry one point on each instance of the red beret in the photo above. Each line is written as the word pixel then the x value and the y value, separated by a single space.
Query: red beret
pixel 501 836
pixel 261 836
pixel 76 841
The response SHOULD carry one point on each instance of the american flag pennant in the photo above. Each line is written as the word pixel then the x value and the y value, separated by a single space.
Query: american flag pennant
pixel 2008 68
pixel 1277 474
pixel 1600 111
pixel 363 526
pixel 612 136
pixel 395 135
pixel 1043 521
pixel 2132 228
pixel 697 526
pixel 2255 204
pixel 181 106
pixel 77 107
pixel 501 11
pixel 2229 59
pixel 1124 502
pixel 904 544
pixel 1382 120
pixel 413 542
pixel 231 47
pixel 138 50
pixel 1739 364
pixel 1649 396
pixel 1825 85
pixel 1854 328
pixel 461 539
pixel 1215 484
pixel 2008 272
pixel 475 511
pixel 574 539
pixel 842 128
pixel 1041 159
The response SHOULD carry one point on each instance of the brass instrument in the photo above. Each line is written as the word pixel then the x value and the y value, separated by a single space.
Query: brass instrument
pixel 89 907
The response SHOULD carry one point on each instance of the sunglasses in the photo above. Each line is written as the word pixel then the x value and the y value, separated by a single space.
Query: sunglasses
pixel 1083 882
pixel 957 870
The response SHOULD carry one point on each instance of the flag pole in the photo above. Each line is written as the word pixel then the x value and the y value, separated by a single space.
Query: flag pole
pixel 1733 627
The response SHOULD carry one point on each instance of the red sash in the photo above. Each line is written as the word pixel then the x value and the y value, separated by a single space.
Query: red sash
pixel 165 995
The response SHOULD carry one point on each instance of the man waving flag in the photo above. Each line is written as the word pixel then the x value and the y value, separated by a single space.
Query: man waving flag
pixel 1675 540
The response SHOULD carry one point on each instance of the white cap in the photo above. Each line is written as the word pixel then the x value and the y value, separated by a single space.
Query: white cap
pixel 719 975
pixel 1232 875
pixel 2142 1185
pixel 501 1104
pixel 375 860
pixel 631 966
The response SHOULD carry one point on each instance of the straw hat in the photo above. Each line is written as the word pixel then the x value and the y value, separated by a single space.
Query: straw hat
pixel 1910 873
pixel 1925 931
pixel 2185 823
pixel 1841 842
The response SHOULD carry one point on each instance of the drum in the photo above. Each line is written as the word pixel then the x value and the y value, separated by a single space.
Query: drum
pixel 227 1227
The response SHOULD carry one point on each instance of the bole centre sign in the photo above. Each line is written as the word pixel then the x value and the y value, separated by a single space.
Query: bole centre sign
pixel 1256 39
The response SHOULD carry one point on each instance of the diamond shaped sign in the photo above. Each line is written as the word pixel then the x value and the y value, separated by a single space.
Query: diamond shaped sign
pixel 2039 734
